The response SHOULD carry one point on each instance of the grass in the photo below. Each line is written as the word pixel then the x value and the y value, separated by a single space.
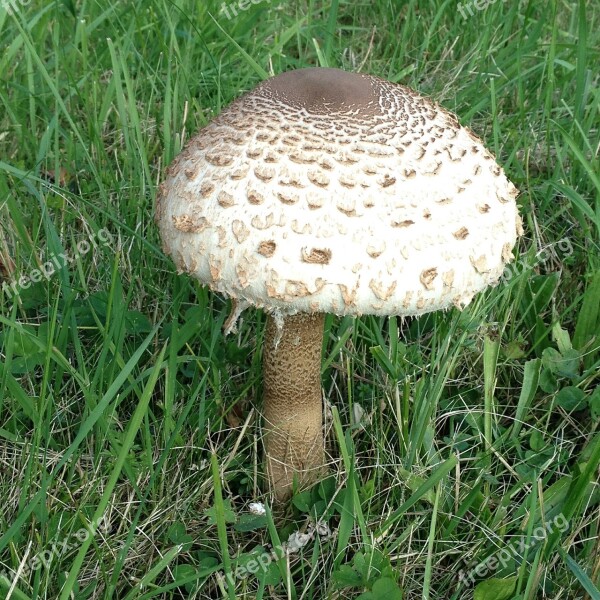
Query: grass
pixel 455 438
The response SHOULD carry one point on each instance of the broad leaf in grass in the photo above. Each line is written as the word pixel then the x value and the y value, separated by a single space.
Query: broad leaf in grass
pixel 571 398
pixel 211 513
pixel 326 488
pixel 247 522
pixel 565 364
pixel 28 347
pixel 368 567
pixel 346 576
pixel 513 350
pixel 372 563
pixel 536 440
pixel 383 589
pixel 178 534
pixel 272 575
pixel 570 364
pixel 206 560
pixel 302 501
pixel 183 572
pixel 548 381
pixel 23 340
pixel 27 364
pixel 414 482
pixel 561 337
pixel 552 360
pixel 137 322
pixel 594 403
pixel 496 589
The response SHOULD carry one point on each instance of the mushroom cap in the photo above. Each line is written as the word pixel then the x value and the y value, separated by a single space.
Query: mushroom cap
pixel 327 191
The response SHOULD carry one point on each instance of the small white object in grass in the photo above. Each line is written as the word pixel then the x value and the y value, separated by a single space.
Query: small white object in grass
pixel 257 508
pixel 323 529
pixel 296 541
pixel 358 412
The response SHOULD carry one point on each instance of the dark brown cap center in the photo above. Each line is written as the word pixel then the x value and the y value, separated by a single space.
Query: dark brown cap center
pixel 323 91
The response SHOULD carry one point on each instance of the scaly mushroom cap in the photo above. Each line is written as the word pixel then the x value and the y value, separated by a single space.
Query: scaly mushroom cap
pixel 327 191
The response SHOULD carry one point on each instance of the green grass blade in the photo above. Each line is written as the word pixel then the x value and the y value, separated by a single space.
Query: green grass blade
pixel 132 431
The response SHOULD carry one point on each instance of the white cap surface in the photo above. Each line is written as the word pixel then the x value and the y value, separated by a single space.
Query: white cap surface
pixel 328 191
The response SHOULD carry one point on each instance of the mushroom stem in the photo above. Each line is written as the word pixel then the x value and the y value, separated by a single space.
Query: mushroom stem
pixel 293 408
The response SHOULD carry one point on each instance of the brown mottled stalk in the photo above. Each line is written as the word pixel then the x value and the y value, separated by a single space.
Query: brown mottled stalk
pixel 293 408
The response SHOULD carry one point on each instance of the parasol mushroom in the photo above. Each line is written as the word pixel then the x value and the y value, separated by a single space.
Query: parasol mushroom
pixel 323 191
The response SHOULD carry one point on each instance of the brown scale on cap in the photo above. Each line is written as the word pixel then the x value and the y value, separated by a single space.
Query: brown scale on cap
pixel 319 256
pixel 240 231
pixel 267 248
pixel 225 200
pixel 219 159
pixel 461 234
pixel 255 197
pixel 448 278
pixel 287 197
pixel 265 174
pixel 188 224
pixel 262 223
pixel 428 277
pixel 405 223
pixel 319 178
pixel 206 189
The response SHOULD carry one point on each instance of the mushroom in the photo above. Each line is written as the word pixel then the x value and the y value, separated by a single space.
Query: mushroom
pixel 323 191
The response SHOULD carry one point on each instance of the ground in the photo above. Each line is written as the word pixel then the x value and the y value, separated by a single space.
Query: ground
pixel 464 446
